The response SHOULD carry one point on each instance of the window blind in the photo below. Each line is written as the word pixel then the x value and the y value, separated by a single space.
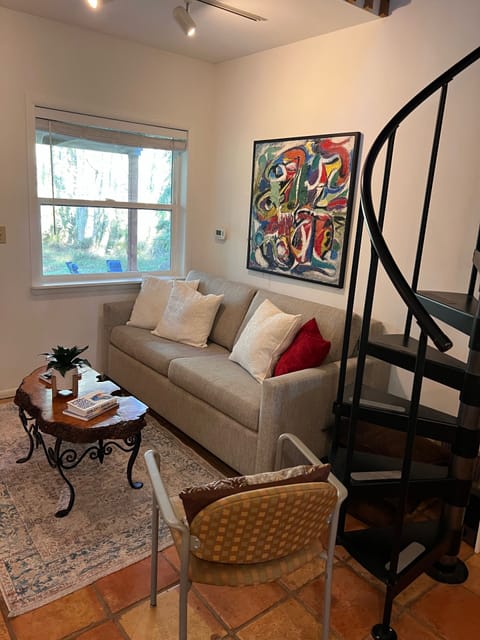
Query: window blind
pixel 65 128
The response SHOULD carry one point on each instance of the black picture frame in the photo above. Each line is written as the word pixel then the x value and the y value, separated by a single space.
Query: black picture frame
pixel 301 206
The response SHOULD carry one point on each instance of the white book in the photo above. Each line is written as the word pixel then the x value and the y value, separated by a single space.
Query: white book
pixel 91 403
pixel 90 416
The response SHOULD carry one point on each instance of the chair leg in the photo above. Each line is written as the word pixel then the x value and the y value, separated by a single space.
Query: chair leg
pixel 183 609
pixel 327 596
pixel 154 558
pixel 332 539
pixel 185 585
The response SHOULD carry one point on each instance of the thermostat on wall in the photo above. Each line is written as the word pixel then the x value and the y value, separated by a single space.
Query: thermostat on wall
pixel 220 234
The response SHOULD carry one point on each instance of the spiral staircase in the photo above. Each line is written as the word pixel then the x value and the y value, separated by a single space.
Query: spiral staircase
pixel 399 553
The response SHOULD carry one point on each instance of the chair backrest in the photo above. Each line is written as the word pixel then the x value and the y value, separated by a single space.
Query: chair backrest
pixel 263 524
pixel 114 265
pixel 72 267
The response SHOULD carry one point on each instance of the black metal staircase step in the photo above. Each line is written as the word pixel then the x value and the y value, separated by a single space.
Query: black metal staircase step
pixel 455 309
pixel 372 548
pixel 391 411
pixel 372 476
pixel 401 352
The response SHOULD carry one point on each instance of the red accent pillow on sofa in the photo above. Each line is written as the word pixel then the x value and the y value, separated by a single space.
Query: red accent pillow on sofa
pixel 308 349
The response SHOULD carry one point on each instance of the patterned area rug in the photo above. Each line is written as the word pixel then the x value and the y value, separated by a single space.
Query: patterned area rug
pixel 43 557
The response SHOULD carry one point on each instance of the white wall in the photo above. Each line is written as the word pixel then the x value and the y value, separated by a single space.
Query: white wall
pixel 355 80
pixel 41 60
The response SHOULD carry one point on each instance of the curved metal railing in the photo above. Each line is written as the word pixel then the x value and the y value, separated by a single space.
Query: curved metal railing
pixel 424 319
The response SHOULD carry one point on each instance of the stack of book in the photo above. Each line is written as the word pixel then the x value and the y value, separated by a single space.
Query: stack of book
pixel 90 405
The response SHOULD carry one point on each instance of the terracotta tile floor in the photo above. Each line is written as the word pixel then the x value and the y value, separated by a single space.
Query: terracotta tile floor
pixel 117 607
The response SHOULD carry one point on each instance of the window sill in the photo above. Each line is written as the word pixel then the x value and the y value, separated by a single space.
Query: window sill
pixel 87 286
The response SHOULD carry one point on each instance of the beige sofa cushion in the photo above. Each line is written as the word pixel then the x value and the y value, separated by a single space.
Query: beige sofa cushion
pixel 154 352
pixel 152 300
pixel 236 300
pixel 188 316
pixel 223 384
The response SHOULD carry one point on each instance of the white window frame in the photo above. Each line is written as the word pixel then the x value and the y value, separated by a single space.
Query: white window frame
pixel 176 138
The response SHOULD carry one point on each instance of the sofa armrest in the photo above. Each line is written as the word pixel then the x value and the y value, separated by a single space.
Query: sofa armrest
pixel 302 403
pixel 116 313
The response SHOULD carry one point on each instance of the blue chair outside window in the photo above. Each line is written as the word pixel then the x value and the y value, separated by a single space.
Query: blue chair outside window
pixel 72 267
pixel 114 266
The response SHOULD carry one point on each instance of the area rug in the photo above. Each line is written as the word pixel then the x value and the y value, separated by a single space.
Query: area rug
pixel 43 557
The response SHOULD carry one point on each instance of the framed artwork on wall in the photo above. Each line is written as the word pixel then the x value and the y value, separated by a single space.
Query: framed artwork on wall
pixel 301 206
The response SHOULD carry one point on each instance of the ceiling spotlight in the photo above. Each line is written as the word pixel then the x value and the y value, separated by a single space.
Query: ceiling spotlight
pixel 95 4
pixel 184 19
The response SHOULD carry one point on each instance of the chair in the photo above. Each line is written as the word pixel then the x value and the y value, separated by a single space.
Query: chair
pixel 250 537
pixel 72 267
pixel 114 266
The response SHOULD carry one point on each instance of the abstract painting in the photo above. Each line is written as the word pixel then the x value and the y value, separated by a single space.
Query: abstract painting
pixel 301 206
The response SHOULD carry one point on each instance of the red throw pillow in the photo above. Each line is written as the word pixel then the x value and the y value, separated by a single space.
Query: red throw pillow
pixel 308 349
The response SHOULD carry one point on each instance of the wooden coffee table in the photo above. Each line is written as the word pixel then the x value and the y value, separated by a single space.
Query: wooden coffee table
pixel 40 413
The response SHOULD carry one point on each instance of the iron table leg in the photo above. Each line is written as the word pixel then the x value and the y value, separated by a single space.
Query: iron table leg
pixel 137 439
pixel 57 459
pixel 69 458
pixel 32 433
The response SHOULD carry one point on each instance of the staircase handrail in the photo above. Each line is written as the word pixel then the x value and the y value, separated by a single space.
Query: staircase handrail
pixel 424 319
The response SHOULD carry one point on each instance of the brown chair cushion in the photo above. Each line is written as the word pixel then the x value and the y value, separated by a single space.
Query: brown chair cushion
pixel 197 498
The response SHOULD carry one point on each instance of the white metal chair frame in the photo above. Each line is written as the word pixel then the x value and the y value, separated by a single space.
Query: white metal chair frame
pixel 163 505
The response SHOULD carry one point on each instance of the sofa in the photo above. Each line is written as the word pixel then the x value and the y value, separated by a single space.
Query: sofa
pixel 217 402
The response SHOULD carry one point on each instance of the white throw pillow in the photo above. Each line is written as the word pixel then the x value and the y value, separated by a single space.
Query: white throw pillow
pixel 152 300
pixel 266 336
pixel 188 317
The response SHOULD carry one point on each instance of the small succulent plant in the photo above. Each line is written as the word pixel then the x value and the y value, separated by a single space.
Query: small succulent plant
pixel 62 359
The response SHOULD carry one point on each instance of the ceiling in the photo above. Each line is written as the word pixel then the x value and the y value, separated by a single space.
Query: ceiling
pixel 220 35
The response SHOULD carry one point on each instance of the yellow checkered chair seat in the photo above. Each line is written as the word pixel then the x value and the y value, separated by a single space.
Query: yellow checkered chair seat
pixel 250 537
pixel 262 524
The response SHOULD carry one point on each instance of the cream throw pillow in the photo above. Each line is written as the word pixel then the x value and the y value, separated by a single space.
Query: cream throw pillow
pixel 188 317
pixel 152 300
pixel 266 336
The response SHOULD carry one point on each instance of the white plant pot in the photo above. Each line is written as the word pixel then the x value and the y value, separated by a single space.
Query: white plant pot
pixel 68 382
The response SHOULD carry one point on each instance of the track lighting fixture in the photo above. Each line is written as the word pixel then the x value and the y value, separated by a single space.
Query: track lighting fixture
pixel 182 13
pixel 184 19
pixel 238 12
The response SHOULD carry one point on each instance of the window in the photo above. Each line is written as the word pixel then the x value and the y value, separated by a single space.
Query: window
pixel 107 197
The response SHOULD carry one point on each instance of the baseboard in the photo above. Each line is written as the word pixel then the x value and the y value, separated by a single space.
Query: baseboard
pixel 7 393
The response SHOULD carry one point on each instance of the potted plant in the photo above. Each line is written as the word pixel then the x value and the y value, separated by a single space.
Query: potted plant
pixel 64 362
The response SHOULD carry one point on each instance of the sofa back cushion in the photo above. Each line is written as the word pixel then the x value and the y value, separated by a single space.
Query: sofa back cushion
pixel 330 320
pixel 236 300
